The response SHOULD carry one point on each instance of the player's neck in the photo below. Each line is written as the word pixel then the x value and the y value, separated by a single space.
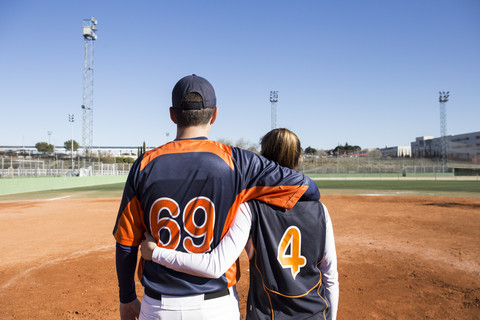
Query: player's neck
pixel 193 132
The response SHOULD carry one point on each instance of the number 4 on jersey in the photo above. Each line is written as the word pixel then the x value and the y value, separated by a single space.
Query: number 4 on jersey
pixel 291 241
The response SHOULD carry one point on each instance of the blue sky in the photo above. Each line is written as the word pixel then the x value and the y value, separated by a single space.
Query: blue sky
pixel 363 72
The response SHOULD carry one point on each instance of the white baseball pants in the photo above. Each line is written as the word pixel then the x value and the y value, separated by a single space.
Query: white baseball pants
pixel 190 308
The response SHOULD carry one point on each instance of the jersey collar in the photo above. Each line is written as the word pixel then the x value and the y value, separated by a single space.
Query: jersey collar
pixel 196 138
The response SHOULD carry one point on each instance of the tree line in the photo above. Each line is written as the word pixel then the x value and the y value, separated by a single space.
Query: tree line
pixel 46 147
pixel 338 150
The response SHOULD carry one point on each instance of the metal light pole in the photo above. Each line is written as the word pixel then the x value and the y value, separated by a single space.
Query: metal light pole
pixel 89 36
pixel 49 135
pixel 443 127
pixel 71 119
pixel 274 100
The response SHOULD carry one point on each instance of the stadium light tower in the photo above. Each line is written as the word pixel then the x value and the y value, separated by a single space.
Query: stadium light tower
pixel 89 36
pixel 274 100
pixel 443 127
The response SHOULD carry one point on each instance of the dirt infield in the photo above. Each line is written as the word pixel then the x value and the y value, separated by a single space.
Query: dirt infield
pixel 399 258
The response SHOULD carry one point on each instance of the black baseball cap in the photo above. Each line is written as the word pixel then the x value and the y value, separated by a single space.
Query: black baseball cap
pixel 196 84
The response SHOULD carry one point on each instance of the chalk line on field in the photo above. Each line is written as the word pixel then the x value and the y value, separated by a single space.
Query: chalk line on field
pixel 59 198
pixel 53 261
pixel 398 193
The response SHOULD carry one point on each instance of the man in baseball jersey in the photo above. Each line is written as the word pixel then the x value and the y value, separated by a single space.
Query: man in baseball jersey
pixel 185 194
pixel 293 262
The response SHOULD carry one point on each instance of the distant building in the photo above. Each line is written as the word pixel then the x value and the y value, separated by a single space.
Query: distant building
pixel 396 152
pixel 464 147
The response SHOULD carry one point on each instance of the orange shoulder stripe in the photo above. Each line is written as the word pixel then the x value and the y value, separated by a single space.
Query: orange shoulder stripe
pixel 185 146
pixel 280 196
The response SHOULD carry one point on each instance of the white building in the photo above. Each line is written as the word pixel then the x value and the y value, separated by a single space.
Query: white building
pixel 396 152
pixel 459 147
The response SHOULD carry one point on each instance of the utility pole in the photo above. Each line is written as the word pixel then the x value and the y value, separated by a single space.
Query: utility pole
pixel 274 100
pixel 89 36
pixel 443 127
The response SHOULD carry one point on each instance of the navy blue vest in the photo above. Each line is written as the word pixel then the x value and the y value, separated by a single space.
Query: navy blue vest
pixel 285 279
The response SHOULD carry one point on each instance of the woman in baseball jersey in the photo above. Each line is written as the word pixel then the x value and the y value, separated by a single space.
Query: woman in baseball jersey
pixel 293 262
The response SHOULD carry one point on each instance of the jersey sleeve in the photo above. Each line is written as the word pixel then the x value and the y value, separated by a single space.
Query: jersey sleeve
pixel 312 193
pixel 126 261
pixel 265 180
pixel 129 226
pixel 215 263
pixel 328 266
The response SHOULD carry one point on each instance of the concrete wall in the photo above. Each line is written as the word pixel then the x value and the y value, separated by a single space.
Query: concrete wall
pixel 20 185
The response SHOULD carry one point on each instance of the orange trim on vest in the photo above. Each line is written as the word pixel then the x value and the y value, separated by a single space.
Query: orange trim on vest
pixel 185 146
pixel 267 290
pixel 263 282
pixel 301 295
pixel 326 304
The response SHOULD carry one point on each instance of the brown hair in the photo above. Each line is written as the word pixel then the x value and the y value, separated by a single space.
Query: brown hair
pixel 283 146
pixel 189 118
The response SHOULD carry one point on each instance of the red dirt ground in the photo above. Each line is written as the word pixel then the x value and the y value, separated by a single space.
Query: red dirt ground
pixel 398 258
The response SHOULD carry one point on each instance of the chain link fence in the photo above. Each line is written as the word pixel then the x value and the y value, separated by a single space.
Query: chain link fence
pixel 17 167
pixel 401 167
pixel 11 167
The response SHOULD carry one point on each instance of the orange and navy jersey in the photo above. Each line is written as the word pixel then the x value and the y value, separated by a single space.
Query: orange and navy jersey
pixel 186 192
pixel 285 278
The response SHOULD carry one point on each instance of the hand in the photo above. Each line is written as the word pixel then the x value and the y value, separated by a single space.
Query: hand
pixel 147 246
pixel 130 311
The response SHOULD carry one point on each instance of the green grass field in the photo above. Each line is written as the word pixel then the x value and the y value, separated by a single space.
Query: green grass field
pixel 377 187
pixel 113 190
pixel 401 187
pixel 379 175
